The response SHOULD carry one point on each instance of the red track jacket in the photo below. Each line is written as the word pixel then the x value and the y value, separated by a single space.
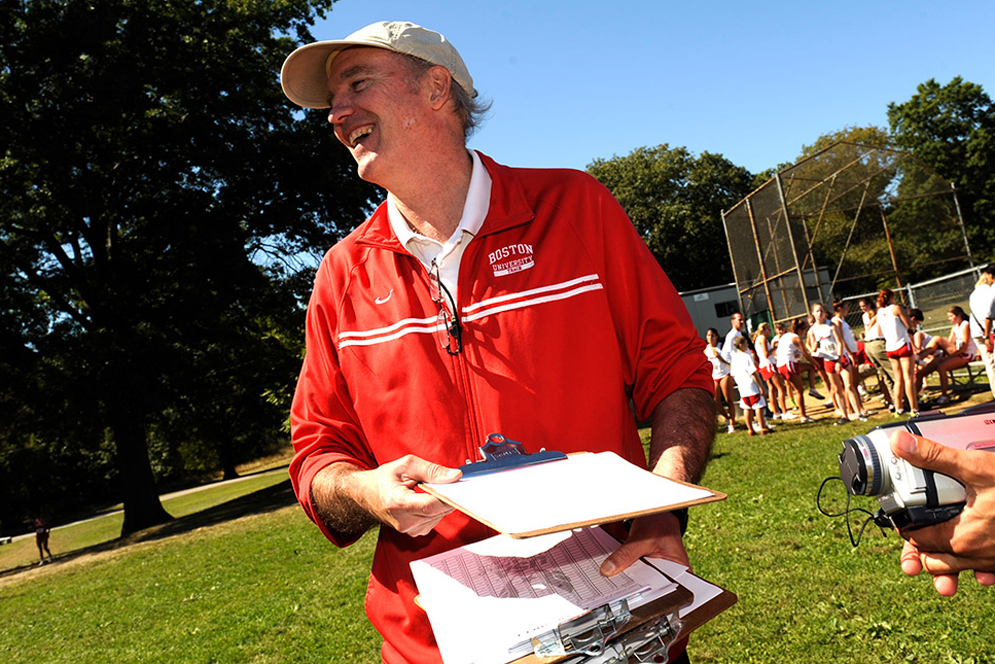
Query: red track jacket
pixel 566 316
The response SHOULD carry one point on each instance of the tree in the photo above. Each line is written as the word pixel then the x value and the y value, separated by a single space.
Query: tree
pixel 157 187
pixel 869 135
pixel 952 128
pixel 675 201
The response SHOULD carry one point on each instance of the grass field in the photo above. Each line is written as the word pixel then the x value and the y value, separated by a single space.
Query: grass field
pixel 246 578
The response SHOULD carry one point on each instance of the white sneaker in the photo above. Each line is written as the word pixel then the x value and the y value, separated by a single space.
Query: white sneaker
pixel 732 428
pixel 788 416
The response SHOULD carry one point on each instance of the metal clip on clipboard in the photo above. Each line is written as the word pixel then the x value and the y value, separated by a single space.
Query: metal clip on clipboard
pixel 502 453
pixel 649 642
pixel 593 638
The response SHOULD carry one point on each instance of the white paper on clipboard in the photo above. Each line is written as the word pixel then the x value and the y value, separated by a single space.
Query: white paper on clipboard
pixel 581 490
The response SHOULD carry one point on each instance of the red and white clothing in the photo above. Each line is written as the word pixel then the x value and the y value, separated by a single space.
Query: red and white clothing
pixel 826 346
pixel 744 373
pixel 871 332
pixel 720 365
pixel 849 339
pixel 961 333
pixel 566 317
pixel 788 354
pixel 894 331
pixel 765 360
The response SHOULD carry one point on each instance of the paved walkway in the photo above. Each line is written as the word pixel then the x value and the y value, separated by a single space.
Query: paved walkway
pixel 165 497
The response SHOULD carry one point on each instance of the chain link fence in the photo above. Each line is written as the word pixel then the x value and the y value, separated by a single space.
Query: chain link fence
pixel 934 298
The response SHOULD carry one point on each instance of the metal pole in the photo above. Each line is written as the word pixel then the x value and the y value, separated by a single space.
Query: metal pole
pixel 963 232
pixel 811 240
pixel 856 217
pixel 772 232
pixel 760 258
pixel 732 259
pixel 891 249
pixel 791 239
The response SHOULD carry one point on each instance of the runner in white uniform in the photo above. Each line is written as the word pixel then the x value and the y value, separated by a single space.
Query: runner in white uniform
pixel 826 346
pixel 895 326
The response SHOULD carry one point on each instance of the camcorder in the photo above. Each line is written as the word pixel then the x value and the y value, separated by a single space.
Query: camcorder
pixel 912 497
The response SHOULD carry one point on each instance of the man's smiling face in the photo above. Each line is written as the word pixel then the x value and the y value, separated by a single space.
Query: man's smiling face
pixel 378 112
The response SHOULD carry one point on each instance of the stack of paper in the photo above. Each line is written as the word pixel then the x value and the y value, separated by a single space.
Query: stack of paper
pixel 487 600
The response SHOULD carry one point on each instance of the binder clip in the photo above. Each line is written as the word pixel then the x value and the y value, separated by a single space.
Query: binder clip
pixel 502 453
pixel 597 637
pixel 650 642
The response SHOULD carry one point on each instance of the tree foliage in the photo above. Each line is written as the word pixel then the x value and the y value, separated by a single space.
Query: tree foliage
pixel 869 135
pixel 952 128
pixel 676 201
pixel 158 191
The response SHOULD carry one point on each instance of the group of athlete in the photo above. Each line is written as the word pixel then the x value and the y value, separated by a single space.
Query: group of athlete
pixel 769 369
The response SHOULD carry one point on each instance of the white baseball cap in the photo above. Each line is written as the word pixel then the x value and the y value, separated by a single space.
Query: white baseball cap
pixel 305 71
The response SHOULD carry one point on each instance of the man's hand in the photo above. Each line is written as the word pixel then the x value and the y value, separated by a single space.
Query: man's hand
pixel 345 496
pixel 966 542
pixel 913 563
pixel 683 428
pixel 653 536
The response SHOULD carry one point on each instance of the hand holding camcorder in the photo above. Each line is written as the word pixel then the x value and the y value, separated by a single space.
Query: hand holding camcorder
pixel 910 467
pixel 913 497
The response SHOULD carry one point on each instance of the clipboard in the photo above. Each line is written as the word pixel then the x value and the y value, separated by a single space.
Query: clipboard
pixel 618 628
pixel 525 495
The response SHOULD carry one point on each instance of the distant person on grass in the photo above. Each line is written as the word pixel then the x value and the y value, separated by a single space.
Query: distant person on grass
pixel 874 346
pixel 477 298
pixel 41 539
pixel 851 373
pixel 744 372
pixel 948 354
pixel 722 379
pixel 982 305
pixel 768 372
pixel 826 346
pixel 790 351
pixel 895 326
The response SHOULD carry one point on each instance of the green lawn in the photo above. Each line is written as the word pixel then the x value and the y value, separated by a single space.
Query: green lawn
pixel 251 580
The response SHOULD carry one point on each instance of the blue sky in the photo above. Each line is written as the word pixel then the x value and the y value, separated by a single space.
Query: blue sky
pixel 575 81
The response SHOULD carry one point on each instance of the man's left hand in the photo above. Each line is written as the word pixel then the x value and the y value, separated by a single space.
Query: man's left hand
pixel 653 536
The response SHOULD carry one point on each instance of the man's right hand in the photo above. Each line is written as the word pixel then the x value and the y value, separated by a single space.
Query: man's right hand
pixel 344 495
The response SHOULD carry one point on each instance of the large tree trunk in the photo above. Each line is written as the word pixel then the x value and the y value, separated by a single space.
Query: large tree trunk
pixel 227 454
pixel 142 508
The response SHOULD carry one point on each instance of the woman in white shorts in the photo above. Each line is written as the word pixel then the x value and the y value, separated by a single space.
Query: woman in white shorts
pixel 722 378
pixel 895 326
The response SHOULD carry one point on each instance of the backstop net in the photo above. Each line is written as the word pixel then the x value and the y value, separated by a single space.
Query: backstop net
pixel 850 219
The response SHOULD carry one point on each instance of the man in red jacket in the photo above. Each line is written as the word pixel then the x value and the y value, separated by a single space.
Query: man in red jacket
pixel 477 298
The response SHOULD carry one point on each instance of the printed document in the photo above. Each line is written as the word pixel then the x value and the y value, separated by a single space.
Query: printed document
pixel 487 600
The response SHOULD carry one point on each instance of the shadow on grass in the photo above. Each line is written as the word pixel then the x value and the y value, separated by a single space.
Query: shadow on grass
pixel 265 500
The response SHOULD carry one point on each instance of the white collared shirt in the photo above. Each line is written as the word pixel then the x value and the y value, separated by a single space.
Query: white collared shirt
pixel 449 254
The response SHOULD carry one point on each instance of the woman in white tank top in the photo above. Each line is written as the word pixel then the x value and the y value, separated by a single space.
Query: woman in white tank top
pixel 768 370
pixel 959 350
pixel 851 370
pixel 895 327
pixel 722 378
pixel 826 346
pixel 790 350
